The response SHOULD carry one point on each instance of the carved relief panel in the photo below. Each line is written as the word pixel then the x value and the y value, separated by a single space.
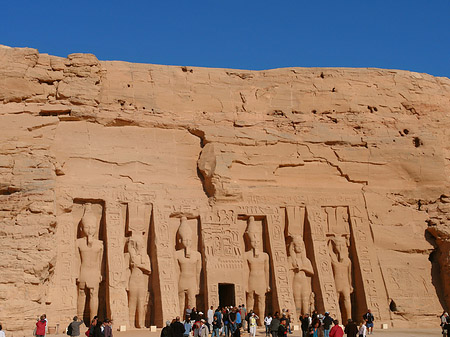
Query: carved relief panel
pixel 273 223
pixel 137 262
pixel 222 247
pixel 165 275
pixel 326 296
pixel 372 290
pixel 90 259
pixel 188 261
pixel 300 265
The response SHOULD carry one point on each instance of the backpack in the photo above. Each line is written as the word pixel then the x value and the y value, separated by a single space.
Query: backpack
pixel 69 329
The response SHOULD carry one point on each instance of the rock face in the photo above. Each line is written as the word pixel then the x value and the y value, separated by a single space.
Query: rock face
pixel 342 173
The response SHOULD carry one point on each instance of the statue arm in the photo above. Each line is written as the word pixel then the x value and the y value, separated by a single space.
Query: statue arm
pixel 177 266
pixel 307 267
pixel 78 260
pixel 246 272
pixel 333 256
pixel 350 275
pixel 145 265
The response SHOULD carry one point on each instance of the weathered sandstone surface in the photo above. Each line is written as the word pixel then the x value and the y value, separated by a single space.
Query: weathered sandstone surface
pixel 306 164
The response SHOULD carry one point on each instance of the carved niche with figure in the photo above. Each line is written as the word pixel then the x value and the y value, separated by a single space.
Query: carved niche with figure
pixel 189 266
pixel 257 265
pixel 89 260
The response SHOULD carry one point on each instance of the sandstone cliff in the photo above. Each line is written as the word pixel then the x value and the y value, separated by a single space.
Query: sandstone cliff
pixel 195 138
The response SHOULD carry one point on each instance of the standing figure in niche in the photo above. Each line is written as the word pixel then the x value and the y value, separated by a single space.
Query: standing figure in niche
pixel 89 256
pixel 257 262
pixel 302 274
pixel 342 271
pixel 189 264
pixel 138 283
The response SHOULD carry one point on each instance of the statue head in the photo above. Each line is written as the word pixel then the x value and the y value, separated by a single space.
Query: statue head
pixel 136 241
pixel 297 244
pixel 254 233
pixel 340 247
pixel 185 233
pixel 89 222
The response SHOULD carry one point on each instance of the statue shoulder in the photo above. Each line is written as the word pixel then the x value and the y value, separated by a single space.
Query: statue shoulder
pixel 80 242
pixel 99 244
pixel 179 254
pixel 197 254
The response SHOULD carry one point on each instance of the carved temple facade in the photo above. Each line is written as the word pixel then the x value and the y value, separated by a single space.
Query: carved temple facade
pixel 218 234
pixel 131 191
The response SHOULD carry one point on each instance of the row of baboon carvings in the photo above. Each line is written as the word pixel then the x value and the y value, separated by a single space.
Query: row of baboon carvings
pixel 250 234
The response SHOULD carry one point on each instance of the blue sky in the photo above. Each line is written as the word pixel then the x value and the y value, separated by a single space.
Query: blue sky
pixel 411 35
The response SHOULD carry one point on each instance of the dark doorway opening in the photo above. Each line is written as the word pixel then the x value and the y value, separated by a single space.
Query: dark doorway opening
pixel 226 295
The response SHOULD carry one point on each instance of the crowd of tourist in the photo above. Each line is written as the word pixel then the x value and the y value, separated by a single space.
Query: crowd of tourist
pixel 232 321
pixel 97 328
pixel 318 325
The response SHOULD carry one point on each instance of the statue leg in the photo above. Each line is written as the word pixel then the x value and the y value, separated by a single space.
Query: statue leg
pixel 132 301
pixel 261 307
pixel 93 302
pixel 250 300
pixel 304 305
pixel 182 300
pixel 347 306
pixel 81 301
pixel 191 298
pixel 141 309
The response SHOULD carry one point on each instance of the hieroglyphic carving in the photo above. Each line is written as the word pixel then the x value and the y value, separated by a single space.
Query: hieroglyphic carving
pixel 326 298
pixel 168 295
pixel 64 288
pixel 283 286
pixel 223 253
pixel 373 285
pixel 117 277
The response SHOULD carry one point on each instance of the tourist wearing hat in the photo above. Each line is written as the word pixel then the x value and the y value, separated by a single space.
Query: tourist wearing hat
pixel 252 322
pixel 204 331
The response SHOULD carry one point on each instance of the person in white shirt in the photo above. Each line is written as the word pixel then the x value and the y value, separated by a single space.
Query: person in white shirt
pixel 252 322
pixel 2 333
pixel 267 321
pixel 362 330
pixel 210 314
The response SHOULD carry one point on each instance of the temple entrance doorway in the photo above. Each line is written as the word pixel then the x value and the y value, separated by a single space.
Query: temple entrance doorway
pixel 226 294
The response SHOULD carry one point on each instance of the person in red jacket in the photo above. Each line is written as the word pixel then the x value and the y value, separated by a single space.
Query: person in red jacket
pixel 40 327
pixel 336 330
